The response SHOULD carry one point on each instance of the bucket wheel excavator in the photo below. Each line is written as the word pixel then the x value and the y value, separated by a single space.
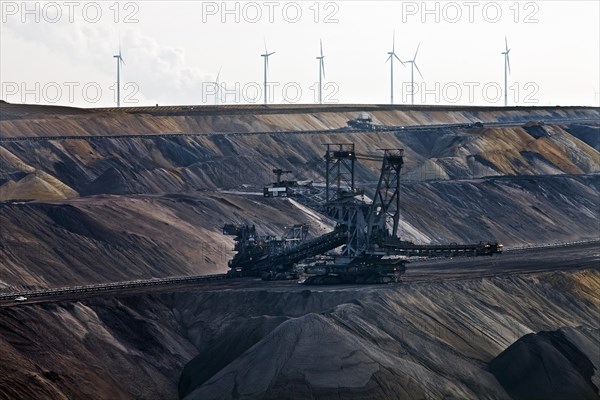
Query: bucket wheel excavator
pixel 366 231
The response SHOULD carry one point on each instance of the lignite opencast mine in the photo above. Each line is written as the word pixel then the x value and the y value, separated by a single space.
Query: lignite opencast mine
pixel 336 251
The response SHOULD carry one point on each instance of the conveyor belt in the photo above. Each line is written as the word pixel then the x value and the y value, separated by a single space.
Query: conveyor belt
pixel 310 248
pixel 446 250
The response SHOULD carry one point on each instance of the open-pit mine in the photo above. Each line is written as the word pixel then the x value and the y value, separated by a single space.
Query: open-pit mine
pixel 299 252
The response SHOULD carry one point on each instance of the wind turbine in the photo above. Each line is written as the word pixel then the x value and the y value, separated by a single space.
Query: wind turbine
pixel 321 73
pixel 217 88
pixel 119 61
pixel 392 55
pixel 266 67
pixel 506 71
pixel 413 65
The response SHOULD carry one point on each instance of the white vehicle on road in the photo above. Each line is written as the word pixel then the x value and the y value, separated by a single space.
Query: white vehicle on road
pixel 21 298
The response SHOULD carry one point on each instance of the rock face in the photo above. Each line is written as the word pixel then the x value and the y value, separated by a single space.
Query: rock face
pixel 549 366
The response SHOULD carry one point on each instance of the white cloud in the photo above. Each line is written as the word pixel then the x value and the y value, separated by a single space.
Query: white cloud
pixel 86 53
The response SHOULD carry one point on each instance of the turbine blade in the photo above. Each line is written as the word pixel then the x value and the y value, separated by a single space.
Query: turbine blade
pixel 416 52
pixel 389 57
pixel 218 73
pixel 399 59
pixel 508 62
pixel 321 45
pixel 418 70
pixel 506 43
pixel 323 66
pixel 394 42
pixel 120 57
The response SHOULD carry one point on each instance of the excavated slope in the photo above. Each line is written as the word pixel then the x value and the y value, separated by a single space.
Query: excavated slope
pixel 114 238
pixel 130 208
pixel 421 340
pixel 110 238
pixel 418 341
pixel 174 164
pixel 28 120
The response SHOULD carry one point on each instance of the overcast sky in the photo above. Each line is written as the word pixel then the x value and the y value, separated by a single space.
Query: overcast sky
pixel 62 53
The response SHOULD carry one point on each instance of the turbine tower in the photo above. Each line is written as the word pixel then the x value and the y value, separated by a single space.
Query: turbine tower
pixel 413 65
pixel 392 55
pixel 506 71
pixel 321 73
pixel 217 88
pixel 119 61
pixel 266 68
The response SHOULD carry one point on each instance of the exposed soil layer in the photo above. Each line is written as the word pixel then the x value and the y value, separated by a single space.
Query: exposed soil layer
pixel 67 169
pixel 432 340
pixel 114 238
pixel 153 164
pixel 82 211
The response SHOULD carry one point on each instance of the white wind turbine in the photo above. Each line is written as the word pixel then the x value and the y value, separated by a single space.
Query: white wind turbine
pixel 266 68
pixel 413 65
pixel 506 70
pixel 217 88
pixel 321 72
pixel 392 55
pixel 119 61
